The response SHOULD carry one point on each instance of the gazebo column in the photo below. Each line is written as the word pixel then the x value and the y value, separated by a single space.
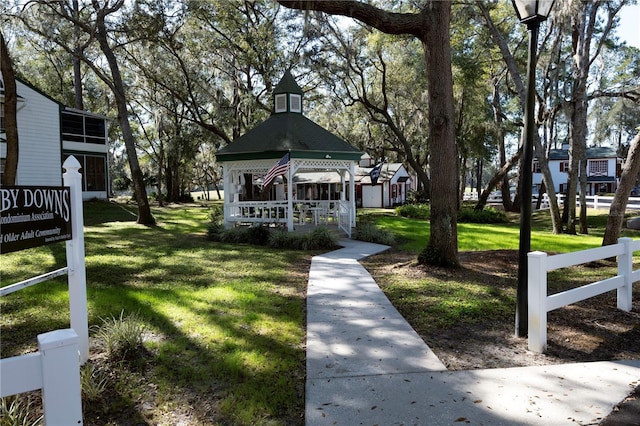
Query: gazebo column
pixel 228 195
pixel 352 194
pixel 290 173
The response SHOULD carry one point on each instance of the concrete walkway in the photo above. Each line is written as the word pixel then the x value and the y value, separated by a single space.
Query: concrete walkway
pixel 367 366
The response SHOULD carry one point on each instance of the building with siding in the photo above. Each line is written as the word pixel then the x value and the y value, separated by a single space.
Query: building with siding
pixel 603 170
pixel 49 132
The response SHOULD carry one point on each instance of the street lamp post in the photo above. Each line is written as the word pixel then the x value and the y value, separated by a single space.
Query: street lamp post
pixel 531 13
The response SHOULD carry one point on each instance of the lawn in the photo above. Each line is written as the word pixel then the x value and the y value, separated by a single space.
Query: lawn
pixel 413 234
pixel 450 308
pixel 224 324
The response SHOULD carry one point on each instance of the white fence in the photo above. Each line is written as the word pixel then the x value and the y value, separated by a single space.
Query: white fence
pixel 593 201
pixel 55 368
pixel 540 303
pixel 603 202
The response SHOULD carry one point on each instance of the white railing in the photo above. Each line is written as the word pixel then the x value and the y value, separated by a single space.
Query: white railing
pixel 55 370
pixel 344 217
pixel 539 264
pixel 258 212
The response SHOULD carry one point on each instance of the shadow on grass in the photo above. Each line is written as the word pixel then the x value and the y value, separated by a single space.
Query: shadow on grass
pixel 226 322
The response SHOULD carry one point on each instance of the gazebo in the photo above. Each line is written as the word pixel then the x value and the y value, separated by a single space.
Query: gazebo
pixel 314 170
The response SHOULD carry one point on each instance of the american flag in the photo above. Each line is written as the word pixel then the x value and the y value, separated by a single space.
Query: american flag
pixel 280 168
pixel 374 174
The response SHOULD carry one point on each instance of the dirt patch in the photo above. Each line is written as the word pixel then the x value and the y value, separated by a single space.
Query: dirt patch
pixel 592 330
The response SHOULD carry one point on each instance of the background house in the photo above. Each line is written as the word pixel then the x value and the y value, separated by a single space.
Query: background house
pixel 603 170
pixel 48 133
pixel 392 186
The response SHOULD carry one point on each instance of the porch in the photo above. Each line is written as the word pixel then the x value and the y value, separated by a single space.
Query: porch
pixel 305 214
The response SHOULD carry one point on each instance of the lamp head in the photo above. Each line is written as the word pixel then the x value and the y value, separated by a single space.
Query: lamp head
pixel 532 11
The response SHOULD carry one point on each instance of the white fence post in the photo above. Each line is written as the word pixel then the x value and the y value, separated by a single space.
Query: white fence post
pixel 537 301
pixel 61 393
pixel 77 276
pixel 625 269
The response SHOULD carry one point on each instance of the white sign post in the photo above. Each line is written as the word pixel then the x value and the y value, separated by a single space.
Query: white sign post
pixel 77 276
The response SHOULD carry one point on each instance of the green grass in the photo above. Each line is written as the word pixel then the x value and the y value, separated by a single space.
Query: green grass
pixel 436 298
pixel 225 323
pixel 414 233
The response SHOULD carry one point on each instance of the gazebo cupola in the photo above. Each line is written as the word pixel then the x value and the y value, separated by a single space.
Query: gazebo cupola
pixel 287 95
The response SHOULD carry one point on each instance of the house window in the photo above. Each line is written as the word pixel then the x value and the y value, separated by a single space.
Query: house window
pixel 93 170
pixel 536 167
pixel 281 103
pixel 81 128
pixel 598 167
pixel 564 166
pixel 295 103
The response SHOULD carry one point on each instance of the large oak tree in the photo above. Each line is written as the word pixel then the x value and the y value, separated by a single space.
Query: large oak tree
pixel 10 111
pixel 52 21
pixel 430 25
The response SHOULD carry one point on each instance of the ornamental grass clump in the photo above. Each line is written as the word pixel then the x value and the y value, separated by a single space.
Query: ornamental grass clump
pixel 122 337
pixel 19 410
pixel 93 382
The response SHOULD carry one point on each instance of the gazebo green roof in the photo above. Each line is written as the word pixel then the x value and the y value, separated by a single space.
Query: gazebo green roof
pixel 288 132
pixel 285 132
pixel 287 84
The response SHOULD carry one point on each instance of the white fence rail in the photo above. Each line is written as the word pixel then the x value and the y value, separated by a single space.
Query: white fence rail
pixel 593 201
pixel 539 264
pixel 54 369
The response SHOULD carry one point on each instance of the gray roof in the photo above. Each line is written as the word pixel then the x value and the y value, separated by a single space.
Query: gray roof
pixel 593 152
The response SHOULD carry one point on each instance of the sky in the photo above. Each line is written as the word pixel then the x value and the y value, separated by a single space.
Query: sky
pixel 628 29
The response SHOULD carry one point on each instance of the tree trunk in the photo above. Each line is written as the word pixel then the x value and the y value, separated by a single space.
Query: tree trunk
pixel 498 119
pixel 442 248
pixel 144 210
pixel 628 178
pixel 10 115
pixel 431 27
pixel 499 176
pixel 517 81
pixel 77 74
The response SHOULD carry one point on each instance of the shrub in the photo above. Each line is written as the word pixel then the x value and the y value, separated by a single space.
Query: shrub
pixel 368 231
pixel 278 239
pixel 320 238
pixel 417 197
pixel 258 234
pixel 488 215
pixel 122 336
pixel 414 211
pixel 215 227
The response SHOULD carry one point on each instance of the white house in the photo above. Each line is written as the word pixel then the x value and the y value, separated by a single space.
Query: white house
pixel 391 188
pixel 603 170
pixel 49 132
